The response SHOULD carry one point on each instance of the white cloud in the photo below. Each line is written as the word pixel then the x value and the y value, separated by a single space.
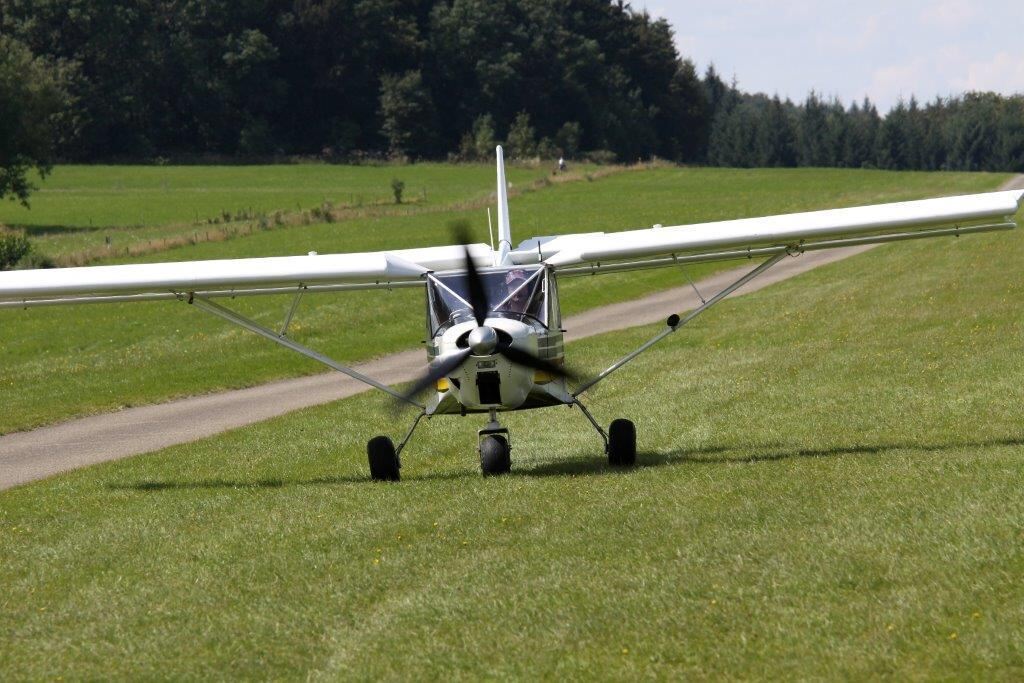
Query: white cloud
pixel 1003 73
pixel 881 48
pixel 949 14
pixel 688 45
pixel 853 39
pixel 890 83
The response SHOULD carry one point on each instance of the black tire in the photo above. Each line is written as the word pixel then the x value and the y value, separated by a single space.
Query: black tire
pixel 384 465
pixel 621 443
pixel 495 455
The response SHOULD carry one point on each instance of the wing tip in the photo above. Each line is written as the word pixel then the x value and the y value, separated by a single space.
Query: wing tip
pixel 1019 196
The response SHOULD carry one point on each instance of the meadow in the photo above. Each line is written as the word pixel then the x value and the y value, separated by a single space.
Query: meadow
pixel 64 362
pixel 829 486
pixel 94 197
pixel 85 213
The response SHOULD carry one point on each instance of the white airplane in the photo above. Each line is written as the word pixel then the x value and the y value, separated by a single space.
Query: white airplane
pixel 494 329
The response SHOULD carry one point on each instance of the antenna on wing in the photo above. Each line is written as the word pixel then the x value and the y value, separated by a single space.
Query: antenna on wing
pixel 504 231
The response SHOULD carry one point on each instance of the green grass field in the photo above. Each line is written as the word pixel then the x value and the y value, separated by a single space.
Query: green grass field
pixel 82 360
pixel 829 487
pixel 85 212
pixel 96 197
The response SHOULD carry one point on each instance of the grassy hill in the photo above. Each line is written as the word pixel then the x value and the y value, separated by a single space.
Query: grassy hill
pixel 829 486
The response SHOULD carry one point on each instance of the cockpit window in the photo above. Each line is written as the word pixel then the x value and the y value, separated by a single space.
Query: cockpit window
pixel 517 293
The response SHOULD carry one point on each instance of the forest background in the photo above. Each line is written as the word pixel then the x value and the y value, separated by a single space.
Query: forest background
pixel 157 81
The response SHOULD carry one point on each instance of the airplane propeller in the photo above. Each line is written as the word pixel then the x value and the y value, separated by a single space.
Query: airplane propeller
pixel 483 340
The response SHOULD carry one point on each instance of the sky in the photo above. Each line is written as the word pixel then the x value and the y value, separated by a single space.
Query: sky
pixel 881 49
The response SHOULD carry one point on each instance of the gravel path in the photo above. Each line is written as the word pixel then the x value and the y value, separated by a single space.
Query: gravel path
pixel 27 456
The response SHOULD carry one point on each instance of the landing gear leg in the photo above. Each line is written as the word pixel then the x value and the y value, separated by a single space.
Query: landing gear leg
pixel 494 448
pixel 385 463
pixel 619 440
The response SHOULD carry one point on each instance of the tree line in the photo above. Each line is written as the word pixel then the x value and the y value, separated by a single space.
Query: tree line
pixel 415 78
pixel 91 80
pixel 971 132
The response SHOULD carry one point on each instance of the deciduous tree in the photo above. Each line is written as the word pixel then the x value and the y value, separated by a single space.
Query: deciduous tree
pixel 33 101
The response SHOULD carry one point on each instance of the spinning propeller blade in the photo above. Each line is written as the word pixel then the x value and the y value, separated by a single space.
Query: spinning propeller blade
pixel 477 293
pixel 526 359
pixel 440 368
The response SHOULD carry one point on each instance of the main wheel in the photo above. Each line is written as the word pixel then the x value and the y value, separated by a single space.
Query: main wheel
pixel 495 455
pixel 621 443
pixel 384 465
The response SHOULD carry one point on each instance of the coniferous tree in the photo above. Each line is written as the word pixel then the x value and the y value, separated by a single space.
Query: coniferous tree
pixel 1010 137
pixel 812 133
pixel 934 139
pixel 780 130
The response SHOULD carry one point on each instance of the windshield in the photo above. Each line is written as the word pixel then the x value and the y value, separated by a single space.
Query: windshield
pixel 517 293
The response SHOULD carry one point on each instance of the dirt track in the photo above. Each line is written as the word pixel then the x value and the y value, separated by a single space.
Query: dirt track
pixel 27 456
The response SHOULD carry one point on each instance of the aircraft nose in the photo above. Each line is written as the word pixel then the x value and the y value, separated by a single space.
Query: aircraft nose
pixel 482 341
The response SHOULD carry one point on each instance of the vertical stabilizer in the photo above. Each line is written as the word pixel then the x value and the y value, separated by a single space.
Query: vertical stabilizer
pixel 504 231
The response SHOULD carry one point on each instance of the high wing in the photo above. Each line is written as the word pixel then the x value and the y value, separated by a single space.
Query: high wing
pixel 231 277
pixel 773 237
pixel 198 282
pixel 794 233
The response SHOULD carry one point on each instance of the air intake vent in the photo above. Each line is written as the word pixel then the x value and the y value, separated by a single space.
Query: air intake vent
pixel 489 385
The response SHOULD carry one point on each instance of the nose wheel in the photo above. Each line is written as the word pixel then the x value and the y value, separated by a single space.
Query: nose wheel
pixel 495 455
pixel 494 447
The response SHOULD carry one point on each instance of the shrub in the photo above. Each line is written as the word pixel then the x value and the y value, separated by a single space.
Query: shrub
pixel 600 156
pixel 33 259
pixel 13 247
pixel 397 187
pixel 546 149
pixel 522 140
pixel 568 138
pixel 478 144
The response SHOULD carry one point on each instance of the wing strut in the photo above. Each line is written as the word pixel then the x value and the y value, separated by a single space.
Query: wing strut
pixel 242 321
pixel 674 321
pixel 291 310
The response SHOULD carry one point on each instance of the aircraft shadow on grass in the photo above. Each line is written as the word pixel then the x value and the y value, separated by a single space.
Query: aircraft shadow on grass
pixel 749 454
pixel 712 455
pixel 273 483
